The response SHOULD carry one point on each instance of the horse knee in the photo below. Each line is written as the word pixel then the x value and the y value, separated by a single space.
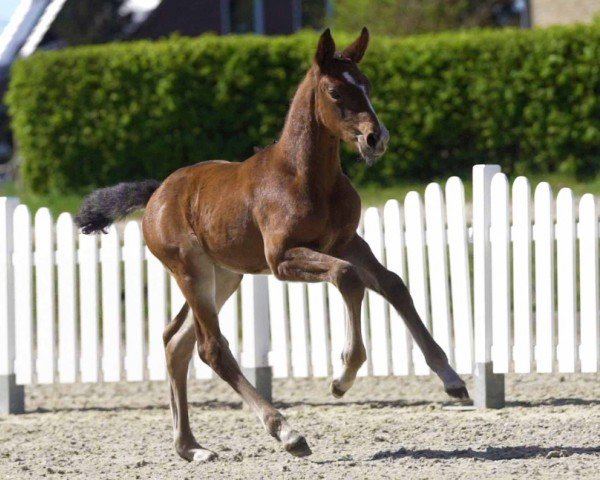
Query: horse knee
pixel 208 350
pixel 348 280
pixel 215 353
pixel 281 272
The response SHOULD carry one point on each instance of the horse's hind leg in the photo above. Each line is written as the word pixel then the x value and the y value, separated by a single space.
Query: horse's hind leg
pixel 179 341
pixel 197 282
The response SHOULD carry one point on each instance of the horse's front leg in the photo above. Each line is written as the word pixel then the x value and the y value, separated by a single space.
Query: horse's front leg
pixel 377 278
pixel 305 265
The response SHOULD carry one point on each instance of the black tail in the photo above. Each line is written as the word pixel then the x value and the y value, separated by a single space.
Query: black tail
pixel 105 205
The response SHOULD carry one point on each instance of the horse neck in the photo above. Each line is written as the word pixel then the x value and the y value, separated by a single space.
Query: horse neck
pixel 306 144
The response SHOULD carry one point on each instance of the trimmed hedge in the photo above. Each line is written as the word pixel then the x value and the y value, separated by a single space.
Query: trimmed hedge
pixel 90 116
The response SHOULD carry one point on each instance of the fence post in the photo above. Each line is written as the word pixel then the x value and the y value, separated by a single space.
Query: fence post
pixel 12 397
pixel 255 333
pixel 489 387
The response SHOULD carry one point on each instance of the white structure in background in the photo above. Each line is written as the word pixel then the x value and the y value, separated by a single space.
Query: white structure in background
pixel 140 9
pixel 33 18
pixel 19 28
pixel 92 308
pixel 42 26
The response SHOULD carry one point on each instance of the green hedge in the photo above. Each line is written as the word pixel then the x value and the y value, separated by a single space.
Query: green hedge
pixel 529 100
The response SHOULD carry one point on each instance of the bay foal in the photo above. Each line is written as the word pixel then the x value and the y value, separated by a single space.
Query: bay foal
pixel 288 210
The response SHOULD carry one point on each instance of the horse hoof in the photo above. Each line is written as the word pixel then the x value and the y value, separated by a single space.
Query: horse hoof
pixel 201 456
pixel 461 393
pixel 298 447
pixel 195 453
pixel 336 391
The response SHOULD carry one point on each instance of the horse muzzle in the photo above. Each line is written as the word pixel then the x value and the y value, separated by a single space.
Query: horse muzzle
pixel 373 145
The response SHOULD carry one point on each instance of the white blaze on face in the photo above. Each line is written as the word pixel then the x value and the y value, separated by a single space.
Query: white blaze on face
pixel 352 81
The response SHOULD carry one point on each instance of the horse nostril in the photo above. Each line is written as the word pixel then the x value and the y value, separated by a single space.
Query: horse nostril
pixel 372 139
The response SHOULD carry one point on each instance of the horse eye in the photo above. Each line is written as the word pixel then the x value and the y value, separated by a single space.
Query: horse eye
pixel 335 94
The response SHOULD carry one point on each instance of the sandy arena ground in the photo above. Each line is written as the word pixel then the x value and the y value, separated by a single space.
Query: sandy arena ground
pixel 384 428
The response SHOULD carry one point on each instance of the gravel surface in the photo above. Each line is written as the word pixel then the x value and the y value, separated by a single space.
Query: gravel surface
pixel 384 428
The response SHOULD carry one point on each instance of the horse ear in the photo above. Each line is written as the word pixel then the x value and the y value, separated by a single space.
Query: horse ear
pixel 356 51
pixel 325 49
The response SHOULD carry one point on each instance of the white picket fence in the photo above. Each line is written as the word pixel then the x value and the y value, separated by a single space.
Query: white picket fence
pixel 517 285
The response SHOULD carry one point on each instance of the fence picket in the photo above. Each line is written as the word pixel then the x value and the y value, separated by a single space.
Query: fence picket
pixel 460 275
pixel 482 264
pixel 255 322
pixel 395 246
pixel 135 337
pixel 230 320
pixel 417 269
pixel 66 265
pixel 11 397
pixel 337 327
pixel 280 335
pixel 24 299
pixel 319 334
pixel 435 219
pixel 177 300
pixel 500 254
pixel 378 315
pixel 112 317
pixel 299 329
pixel 367 367
pixel 45 295
pixel 157 316
pixel 522 278
pixel 566 277
pixel 545 346
pixel 589 284
pixel 88 307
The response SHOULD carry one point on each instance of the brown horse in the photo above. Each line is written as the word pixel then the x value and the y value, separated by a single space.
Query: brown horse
pixel 287 210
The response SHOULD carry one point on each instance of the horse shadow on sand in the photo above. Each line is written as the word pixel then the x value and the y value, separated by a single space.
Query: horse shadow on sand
pixel 554 402
pixel 520 452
